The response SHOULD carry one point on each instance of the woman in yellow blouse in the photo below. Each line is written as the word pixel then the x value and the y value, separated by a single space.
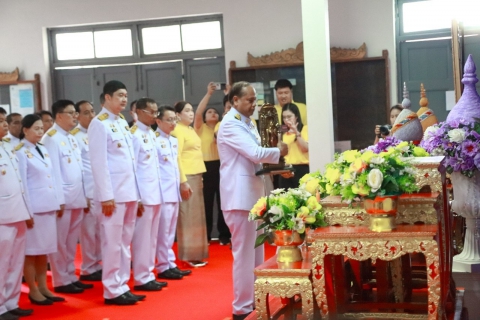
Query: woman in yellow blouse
pixel 191 227
pixel 297 140
pixel 206 119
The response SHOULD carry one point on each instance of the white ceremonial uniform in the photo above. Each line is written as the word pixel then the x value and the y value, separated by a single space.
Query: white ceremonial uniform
pixel 65 156
pixel 144 243
pixel 14 141
pixel 13 213
pixel 241 156
pixel 170 184
pixel 90 243
pixel 113 168
pixel 45 195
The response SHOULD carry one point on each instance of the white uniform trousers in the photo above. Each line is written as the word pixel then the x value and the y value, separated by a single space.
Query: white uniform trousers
pixel 166 236
pixel 12 250
pixel 245 259
pixel 90 243
pixel 62 262
pixel 144 244
pixel 116 232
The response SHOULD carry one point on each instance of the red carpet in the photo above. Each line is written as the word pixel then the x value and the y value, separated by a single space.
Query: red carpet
pixel 206 294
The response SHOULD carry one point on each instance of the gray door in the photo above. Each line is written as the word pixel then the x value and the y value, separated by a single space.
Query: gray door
pixel 163 82
pixel 430 63
pixel 75 85
pixel 198 73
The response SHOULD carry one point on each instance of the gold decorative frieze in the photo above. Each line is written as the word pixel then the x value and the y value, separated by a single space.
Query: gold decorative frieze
pixel 284 287
pixel 411 213
pixel 9 76
pixel 384 316
pixel 340 54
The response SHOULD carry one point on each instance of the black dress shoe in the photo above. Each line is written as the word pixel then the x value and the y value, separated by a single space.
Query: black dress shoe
pixel 139 297
pixel 241 316
pixel 149 286
pixel 162 284
pixel 169 274
pixel 96 276
pixel 182 272
pixel 82 285
pixel 122 300
pixel 8 316
pixel 69 288
pixel 55 298
pixel 21 312
pixel 45 302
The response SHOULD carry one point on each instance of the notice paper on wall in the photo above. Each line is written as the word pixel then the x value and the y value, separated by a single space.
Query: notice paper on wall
pixel 22 99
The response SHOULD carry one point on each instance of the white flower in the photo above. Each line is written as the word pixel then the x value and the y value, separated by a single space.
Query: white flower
pixel 438 152
pixel 296 192
pixel 340 159
pixel 276 210
pixel 277 191
pixel 430 132
pixel 377 160
pixel 375 179
pixel 456 135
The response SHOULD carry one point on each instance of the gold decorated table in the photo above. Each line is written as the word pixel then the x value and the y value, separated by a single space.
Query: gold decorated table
pixel 359 243
pixel 284 280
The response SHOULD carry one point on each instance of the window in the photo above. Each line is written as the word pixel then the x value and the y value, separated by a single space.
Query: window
pixel 161 39
pixel 201 36
pixel 113 43
pixel 77 45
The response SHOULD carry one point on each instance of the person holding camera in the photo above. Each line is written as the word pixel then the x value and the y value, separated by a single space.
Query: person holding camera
pixel 381 131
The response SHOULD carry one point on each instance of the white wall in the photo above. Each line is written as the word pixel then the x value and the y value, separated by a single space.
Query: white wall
pixel 353 22
pixel 249 26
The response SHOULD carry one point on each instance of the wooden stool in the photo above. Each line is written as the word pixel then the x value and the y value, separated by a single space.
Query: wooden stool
pixel 284 280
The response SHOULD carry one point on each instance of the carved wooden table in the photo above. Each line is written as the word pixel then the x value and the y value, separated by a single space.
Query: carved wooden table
pixel 359 243
pixel 284 280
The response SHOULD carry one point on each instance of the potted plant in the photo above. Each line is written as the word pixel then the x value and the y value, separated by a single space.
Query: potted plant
pixel 285 215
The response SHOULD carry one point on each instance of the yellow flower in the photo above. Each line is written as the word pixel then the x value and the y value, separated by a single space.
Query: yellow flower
pixel 401 145
pixel 312 185
pixel 328 188
pixel 389 151
pixel 305 178
pixel 361 190
pixel 333 175
pixel 260 207
pixel 367 155
pixel 303 213
pixel 350 155
pixel 358 165
pixel 313 204
pixel 420 152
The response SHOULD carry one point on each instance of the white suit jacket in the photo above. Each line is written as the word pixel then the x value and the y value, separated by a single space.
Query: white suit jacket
pixel 80 134
pixel 167 146
pixel 44 191
pixel 240 157
pixel 112 158
pixel 65 155
pixel 148 171
pixel 13 199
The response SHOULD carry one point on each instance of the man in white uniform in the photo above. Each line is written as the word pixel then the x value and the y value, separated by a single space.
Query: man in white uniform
pixel 115 192
pixel 170 184
pixel 14 212
pixel 14 121
pixel 144 241
pixel 241 156
pixel 66 156
pixel 91 269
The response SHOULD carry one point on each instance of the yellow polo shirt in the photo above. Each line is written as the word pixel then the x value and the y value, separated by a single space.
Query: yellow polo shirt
pixel 295 155
pixel 209 145
pixel 301 107
pixel 190 159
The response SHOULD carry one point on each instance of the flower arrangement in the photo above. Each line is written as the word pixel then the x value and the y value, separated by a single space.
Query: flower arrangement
pixel 407 149
pixel 294 209
pixel 459 142
pixel 356 174
pixel 314 183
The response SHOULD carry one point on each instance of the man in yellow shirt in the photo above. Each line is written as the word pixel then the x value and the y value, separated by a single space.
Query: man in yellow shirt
pixel 283 90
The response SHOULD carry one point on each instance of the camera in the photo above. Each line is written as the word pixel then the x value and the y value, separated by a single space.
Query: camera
pixel 385 130
pixel 220 86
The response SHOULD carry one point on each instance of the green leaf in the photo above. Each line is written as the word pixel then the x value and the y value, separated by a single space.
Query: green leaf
pixel 263 225
pixel 261 239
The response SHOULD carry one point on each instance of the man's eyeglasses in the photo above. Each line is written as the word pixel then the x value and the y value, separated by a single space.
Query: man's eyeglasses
pixel 154 114
pixel 72 113
pixel 169 120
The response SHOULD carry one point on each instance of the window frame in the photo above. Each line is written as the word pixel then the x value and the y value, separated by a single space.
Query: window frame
pixel 137 42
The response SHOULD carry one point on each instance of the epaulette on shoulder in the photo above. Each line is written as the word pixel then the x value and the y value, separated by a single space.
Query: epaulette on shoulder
pixel 6 139
pixel 238 117
pixel 103 116
pixel 19 146
pixel 157 134
pixel 75 131
pixel 121 116
pixel 133 129
pixel 52 132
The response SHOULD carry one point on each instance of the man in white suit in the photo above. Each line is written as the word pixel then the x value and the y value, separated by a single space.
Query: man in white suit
pixel 115 192
pixel 241 156
pixel 13 229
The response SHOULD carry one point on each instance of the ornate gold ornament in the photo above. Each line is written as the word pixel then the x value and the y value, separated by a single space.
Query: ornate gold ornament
pixel 340 54
pixel 9 76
